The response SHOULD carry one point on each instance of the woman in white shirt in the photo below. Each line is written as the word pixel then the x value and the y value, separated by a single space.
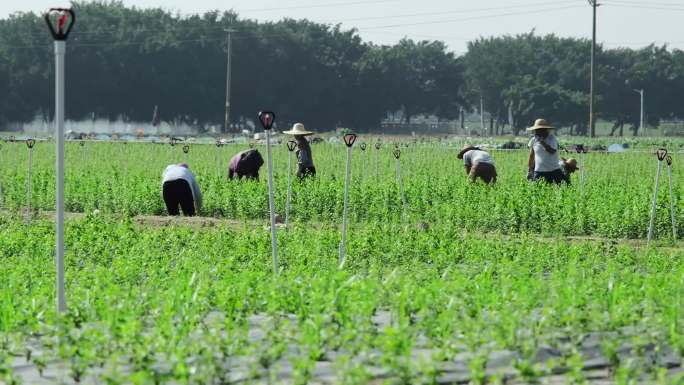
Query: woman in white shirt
pixel 180 188
pixel 543 160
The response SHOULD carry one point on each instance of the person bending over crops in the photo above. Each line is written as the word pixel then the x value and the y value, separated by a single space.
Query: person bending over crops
pixel 245 164
pixel 305 166
pixel 478 164
pixel 543 163
pixel 179 188
pixel 568 166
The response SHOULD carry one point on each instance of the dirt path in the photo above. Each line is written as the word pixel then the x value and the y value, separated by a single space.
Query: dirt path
pixel 237 224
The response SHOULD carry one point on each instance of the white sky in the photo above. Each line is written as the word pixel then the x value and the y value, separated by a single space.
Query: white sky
pixel 630 23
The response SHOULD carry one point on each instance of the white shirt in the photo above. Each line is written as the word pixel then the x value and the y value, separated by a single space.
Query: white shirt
pixel 473 157
pixel 175 172
pixel 543 160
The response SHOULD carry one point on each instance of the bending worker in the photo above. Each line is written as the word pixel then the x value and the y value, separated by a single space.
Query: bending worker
pixel 543 162
pixel 245 164
pixel 305 166
pixel 179 187
pixel 478 164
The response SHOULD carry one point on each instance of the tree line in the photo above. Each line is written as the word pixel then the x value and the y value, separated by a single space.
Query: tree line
pixel 123 61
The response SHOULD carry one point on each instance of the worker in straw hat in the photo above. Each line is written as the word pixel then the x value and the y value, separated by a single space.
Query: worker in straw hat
pixel 478 164
pixel 305 165
pixel 179 187
pixel 543 163
pixel 568 166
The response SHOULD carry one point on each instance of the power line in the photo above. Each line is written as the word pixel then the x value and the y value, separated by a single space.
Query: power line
pixel 442 13
pixel 331 21
pixel 619 5
pixel 547 10
pixel 330 5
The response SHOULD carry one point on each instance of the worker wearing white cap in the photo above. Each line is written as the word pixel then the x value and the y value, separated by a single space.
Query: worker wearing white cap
pixel 305 165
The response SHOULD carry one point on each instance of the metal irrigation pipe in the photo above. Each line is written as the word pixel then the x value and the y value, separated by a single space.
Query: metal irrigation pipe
pixel 363 146
pixel 668 160
pixel 66 18
pixel 661 154
pixel 1 196
pixel 186 150
pixel 397 156
pixel 30 143
pixel 218 158
pixel 291 146
pixel 267 118
pixel 349 140
pixel 377 160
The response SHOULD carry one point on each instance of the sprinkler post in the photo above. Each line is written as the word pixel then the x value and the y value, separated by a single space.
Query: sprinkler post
pixel 1 200
pixel 668 160
pixel 363 147
pixel 581 151
pixel 218 157
pixel 397 156
pixel 186 150
pixel 291 146
pixel 661 154
pixel 349 140
pixel 377 161
pixel 30 143
pixel 65 20
pixel 267 118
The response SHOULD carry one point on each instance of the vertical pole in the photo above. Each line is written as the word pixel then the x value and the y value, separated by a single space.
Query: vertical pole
pixel 592 123
pixel 672 204
pixel 271 203
pixel 1 196
pixel 655 200
pixel 482 122
pixel 289 189
pixel 29 178
pixel 343 242
pixel 60 51
pixel 218 159
pixel 641 120
pixel 582 154
pixel 397 155
pixel 226 126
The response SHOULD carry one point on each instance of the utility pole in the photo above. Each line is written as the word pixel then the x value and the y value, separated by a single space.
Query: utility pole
pixel 482 124
pixel 641 120
pixel 229 31
pixel 592 122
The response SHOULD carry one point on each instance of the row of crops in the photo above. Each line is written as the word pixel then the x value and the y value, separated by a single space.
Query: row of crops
pixel 613 200
pixel 516 283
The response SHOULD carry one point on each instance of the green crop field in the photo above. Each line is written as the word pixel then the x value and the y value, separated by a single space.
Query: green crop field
pixel 516 283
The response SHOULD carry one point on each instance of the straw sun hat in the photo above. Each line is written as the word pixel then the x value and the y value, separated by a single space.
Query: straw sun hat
pixel 298 129
pixel 466 148
pixel 540 124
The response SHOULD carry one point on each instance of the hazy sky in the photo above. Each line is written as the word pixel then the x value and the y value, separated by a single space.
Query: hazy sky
pixel 630 23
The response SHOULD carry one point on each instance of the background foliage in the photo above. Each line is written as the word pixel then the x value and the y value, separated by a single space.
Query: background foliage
pixel 123 61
